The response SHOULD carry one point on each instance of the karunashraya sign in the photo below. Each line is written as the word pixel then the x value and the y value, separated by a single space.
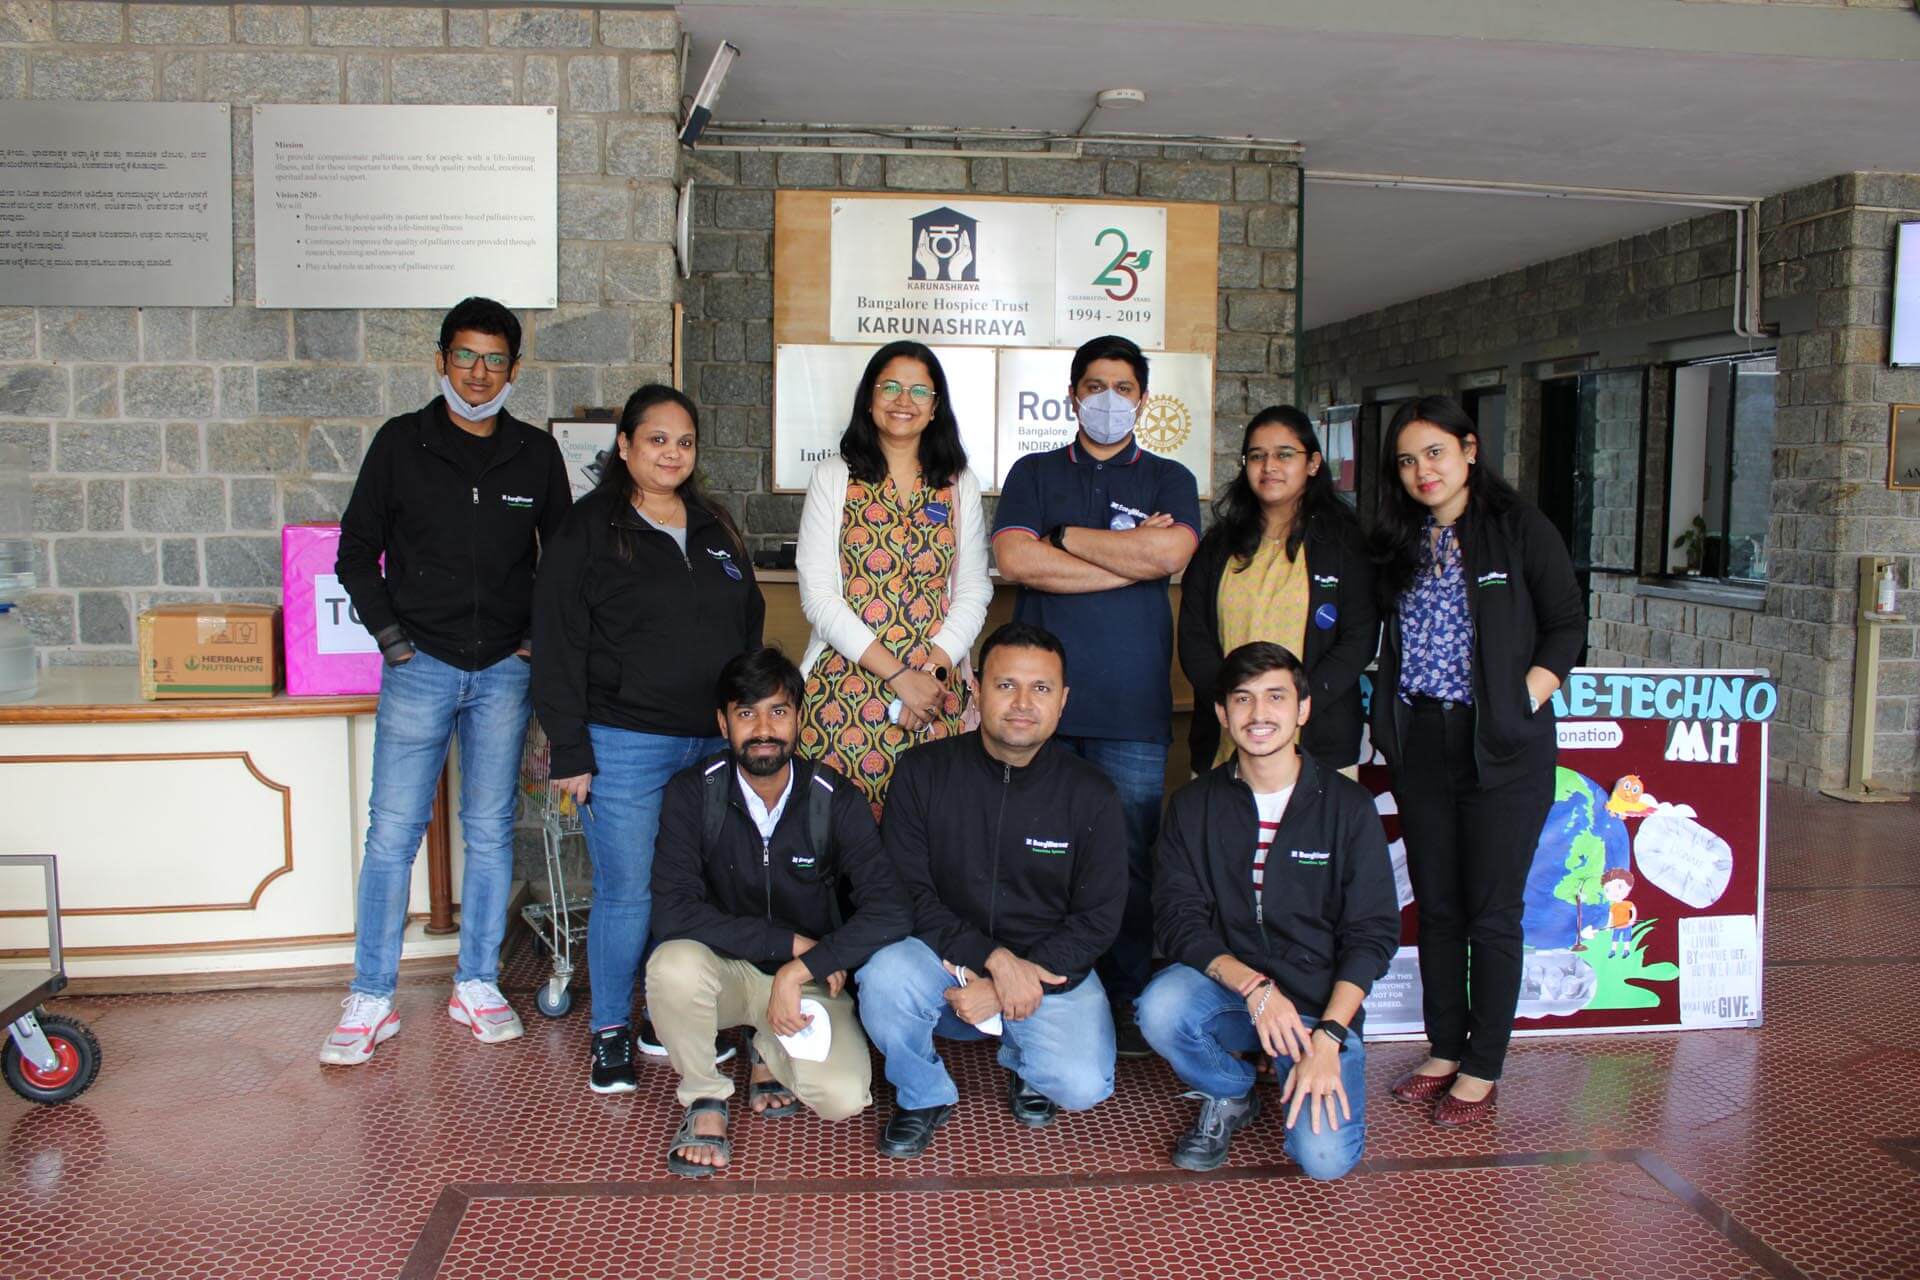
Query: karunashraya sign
pixel 1002 291
pixel 375 206
pixel 1009 403
pixel 1643 907
pixel 997 273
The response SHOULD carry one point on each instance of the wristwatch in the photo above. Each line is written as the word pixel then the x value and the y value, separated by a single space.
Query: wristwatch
pixel 1338 1030
pixel 1058 536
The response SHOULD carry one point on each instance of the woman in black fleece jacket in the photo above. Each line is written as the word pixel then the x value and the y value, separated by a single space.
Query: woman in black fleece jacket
pixel 642 599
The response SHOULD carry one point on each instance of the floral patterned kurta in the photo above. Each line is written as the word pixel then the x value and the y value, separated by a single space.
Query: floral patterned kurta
pixel 895 556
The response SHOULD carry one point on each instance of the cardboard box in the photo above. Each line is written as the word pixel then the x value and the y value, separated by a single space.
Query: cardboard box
pixel 328 650
pixel 209 651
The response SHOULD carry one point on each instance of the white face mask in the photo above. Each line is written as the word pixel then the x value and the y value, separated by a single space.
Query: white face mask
pixel 472 412
pixel 1106 417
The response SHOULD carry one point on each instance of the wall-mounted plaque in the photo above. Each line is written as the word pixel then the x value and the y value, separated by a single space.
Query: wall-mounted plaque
pixel 405 206
pixel 126 204
pixel 997 273
pixel 1903 447
pixel 813 394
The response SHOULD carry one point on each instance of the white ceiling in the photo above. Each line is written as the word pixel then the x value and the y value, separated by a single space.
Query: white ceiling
pixel 1565 113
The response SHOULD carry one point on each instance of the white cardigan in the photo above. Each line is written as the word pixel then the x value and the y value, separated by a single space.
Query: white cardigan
pixel 823 593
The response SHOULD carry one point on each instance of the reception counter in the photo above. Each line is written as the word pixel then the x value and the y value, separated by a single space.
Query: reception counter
pixel 194 838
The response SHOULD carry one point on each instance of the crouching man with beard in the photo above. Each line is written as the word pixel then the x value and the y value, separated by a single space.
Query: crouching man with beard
pixel 754 850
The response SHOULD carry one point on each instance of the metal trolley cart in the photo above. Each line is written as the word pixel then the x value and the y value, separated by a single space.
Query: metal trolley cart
pixel 48 1058
pixel 560 922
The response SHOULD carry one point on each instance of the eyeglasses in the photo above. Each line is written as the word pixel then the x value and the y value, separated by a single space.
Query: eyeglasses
pixel 461 358
pixel 891 390
pixel 1282 455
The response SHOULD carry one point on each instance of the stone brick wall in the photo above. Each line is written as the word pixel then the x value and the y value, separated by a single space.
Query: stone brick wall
pixel 728 337
pixel 1827 272
pixel 169 445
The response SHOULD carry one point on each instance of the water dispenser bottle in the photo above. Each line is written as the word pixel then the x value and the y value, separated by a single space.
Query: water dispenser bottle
pixel 19 671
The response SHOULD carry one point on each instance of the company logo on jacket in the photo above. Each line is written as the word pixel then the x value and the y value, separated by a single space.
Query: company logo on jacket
pixel 1055 848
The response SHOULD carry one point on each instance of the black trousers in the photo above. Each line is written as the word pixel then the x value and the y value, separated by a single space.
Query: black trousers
pixel 1469 849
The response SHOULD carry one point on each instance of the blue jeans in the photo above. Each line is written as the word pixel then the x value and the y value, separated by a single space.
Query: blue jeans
pixel 1197 1025
pixel 1138 770
pixel 423 704
pixel 1065 1050
pixel 621 821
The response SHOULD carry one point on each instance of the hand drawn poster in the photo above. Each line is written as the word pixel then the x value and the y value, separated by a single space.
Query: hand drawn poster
pixel 1643 902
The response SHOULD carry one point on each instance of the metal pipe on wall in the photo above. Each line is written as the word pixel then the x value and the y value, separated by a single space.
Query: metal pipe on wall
pixel 1745 210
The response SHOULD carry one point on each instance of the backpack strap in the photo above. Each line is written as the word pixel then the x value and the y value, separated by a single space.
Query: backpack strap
pixel 820 829
pixel 713 799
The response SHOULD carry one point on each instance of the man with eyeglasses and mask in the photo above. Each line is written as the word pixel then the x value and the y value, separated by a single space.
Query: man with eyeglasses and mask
pixel 457 498
pixel 1092 532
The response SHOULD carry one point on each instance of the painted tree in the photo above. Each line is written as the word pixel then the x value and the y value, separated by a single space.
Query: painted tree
pixel 1586 863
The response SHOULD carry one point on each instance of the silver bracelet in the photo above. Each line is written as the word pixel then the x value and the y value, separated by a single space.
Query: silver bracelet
pixel 1262 1006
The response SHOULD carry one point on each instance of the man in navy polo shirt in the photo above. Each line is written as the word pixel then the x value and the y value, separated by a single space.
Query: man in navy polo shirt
pixel 1092 532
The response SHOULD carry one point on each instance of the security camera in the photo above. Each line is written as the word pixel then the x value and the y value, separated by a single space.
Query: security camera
pixel 701 112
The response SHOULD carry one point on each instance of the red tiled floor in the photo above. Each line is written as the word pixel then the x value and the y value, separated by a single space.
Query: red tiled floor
pixel 1536 1221
pixel 214 1145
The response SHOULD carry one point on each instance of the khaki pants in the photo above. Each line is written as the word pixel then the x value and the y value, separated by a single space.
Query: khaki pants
pixel 693 992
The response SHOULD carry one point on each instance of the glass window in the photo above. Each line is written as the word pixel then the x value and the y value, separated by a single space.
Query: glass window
pixel 1720 468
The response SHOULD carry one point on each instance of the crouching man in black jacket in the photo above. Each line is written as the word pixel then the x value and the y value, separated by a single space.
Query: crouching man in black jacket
pixel 1274 895
pixel 747 874
pixel 1014 853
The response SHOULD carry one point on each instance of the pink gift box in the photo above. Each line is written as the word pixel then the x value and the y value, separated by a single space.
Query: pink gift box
pixel 328 651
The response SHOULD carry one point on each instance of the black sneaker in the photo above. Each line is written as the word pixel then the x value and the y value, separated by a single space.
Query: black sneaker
pixel 1127 1040
pixel 1204 1146
pixel 613 1061
pixel 646 1041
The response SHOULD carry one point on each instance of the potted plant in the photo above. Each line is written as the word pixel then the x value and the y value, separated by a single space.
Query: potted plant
pixel 1693 541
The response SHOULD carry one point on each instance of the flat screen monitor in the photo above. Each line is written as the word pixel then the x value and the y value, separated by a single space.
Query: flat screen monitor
pixel 1905 347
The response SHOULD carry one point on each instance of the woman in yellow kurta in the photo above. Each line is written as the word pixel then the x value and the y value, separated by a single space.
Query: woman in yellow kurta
pixel 1284 561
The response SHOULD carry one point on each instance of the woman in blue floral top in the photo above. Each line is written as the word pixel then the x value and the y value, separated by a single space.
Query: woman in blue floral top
pixel 1484 620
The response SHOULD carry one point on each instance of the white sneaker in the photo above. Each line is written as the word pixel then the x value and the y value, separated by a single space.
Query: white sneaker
pixel 480 1007
pixel 367 1021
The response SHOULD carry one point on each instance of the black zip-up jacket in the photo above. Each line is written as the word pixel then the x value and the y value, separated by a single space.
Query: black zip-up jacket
pixel 1327 911
pixel 1031 859
pixel 1341 581
pixel 460 551
pixel 746 898
pixel 636 640
pixel 1527 612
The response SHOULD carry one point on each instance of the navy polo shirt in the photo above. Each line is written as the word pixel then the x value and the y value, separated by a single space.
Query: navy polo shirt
pixel 1119 642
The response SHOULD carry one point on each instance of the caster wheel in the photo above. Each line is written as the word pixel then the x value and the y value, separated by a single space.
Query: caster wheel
pixel 553 1000
pixel 79 1062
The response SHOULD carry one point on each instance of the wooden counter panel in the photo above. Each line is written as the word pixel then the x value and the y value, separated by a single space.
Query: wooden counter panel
pixel 111 695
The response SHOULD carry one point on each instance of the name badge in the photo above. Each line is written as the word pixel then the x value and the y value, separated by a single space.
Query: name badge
pixel 1125 517
pixel 1325 616
pixel 936 512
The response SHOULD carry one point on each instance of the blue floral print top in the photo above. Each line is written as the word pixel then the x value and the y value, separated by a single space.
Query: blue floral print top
pixel 1436 627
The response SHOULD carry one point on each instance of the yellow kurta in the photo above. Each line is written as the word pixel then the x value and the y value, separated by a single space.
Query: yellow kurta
pixel 1265 601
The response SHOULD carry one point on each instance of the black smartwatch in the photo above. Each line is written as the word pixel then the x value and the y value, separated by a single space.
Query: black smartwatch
pixel 1338 1030
pixel 1058 536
